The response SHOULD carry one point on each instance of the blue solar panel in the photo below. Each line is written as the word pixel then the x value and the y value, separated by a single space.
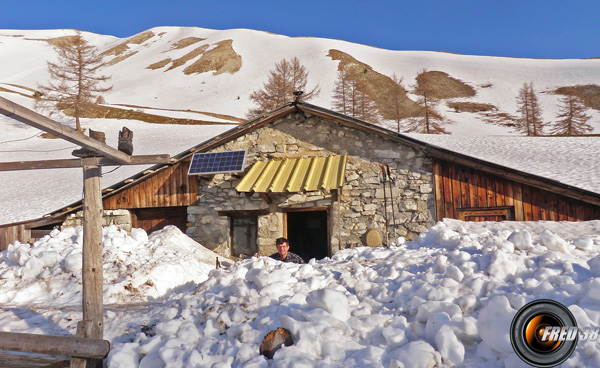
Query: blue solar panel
pixel 217 162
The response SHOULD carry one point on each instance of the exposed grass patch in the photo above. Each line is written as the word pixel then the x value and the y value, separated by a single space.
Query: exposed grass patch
pixel 589 94
pixel 499 118
pixel 47 135
pixel 185 42
pixel 2 89
pixel 121 58
pixel 471 107
pixel 159 64
pixel 57 41
pixel 376 85
pixel 142 37
pixel 187 57
pixel 444 86
pixel 109 112
pixel 220 59
pixel 20 86
pixel 220 116
pixel 124 46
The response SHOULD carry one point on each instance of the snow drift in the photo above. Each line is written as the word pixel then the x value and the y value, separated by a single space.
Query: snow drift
pixel 445 299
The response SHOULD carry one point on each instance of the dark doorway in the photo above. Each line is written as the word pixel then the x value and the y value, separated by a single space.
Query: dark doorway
pixel 307 234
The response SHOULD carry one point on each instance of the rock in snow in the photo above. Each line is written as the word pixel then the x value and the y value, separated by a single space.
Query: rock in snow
pixel 444 299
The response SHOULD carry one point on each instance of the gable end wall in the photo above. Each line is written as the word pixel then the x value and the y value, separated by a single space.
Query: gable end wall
pixel 360 205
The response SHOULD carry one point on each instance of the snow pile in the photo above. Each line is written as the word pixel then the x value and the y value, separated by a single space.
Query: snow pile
pixel 136 268
pixel 444 299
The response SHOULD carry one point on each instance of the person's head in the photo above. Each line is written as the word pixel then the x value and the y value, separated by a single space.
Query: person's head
pixel 283 247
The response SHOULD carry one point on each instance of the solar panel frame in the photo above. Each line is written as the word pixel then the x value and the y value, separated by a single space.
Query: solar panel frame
pixel 208 163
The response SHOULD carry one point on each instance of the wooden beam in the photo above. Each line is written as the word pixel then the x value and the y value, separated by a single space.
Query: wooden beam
pixel 54 345
pixel 92 326
pixel 39 121
pixel 92 250
pixel 75 162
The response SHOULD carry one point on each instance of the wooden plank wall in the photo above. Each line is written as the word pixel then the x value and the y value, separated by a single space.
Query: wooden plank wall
pixel 170 186
pixel 458 186
pixel 9 234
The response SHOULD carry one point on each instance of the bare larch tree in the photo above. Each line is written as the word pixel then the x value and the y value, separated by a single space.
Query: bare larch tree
pixel 350 98
pixel 287 77
pixel 393 107
pixel 74 83
pixel 572 117
pixel 530 121
pixel 428 120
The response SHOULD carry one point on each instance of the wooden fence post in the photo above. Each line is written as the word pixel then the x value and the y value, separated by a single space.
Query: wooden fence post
pixel 92 325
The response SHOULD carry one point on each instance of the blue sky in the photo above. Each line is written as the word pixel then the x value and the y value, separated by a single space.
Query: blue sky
pixel 524 28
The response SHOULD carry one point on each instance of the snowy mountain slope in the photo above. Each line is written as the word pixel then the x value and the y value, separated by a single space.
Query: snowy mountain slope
pixel 220 95
pixel 496 80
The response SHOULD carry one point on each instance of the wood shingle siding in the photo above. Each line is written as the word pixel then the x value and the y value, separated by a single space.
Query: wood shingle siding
pixel 473 195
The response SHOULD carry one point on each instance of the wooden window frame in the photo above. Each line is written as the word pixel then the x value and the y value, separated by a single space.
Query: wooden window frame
pixel 506 211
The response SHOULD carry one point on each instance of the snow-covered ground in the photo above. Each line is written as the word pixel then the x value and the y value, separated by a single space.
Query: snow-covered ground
pixel 445 299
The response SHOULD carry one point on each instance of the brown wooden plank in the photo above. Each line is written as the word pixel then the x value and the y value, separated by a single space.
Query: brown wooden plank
pixel 135 195
pixel 22 360
pixel 181 175
pixel 438 190
pixel 464 186
pixel 542 202
pixel 143 195
pixel 579 210
pixel 481 190
pixel 490 190
pixel 155 189
pixel 185 180
pixel 54 345
pixel 518 201
pixel 527 207
pixel 509 196
pixel 571 216
pixel 562 209
pixel 92 252
pixel 447 184
pixel 160 188
pixel 173 182
pixel 455 185
pixel 3 239
pixel 473 188
pixel 588 212
pixel 167 186
pixel 499 187
pixel 553 206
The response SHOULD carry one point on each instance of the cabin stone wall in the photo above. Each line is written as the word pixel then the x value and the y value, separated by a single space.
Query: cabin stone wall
pixel 358 207
pixel 119 218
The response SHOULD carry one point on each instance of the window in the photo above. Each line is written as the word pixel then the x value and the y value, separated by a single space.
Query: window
pixel 502 213
pixel 243 235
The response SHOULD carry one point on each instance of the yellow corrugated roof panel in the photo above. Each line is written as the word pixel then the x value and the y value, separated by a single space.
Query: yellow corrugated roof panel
pixel 294 175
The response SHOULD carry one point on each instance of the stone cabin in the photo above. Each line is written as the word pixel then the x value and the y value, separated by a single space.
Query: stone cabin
pixel 245 217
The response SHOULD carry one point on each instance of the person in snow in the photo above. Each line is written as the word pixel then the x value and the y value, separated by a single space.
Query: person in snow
pixel 283 254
